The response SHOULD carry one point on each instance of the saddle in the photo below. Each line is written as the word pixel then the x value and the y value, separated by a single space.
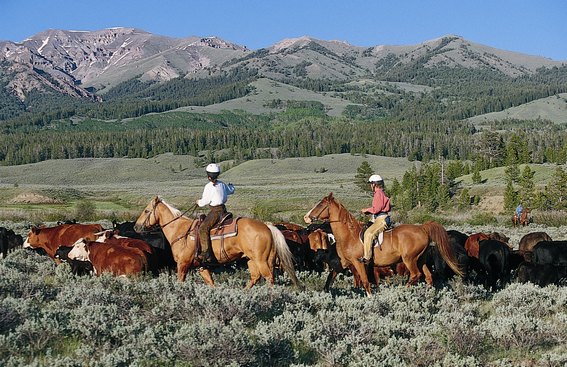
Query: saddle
pixel 378 239
pixel 227 227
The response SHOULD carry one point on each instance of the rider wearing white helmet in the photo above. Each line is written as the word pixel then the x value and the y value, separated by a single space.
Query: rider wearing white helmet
pixel 215 195
pixel 380 210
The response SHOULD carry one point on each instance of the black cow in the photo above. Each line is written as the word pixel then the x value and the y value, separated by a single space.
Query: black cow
pixel 161 257
pixel 440 270
pixel 457 238
pixel 541 274
pixel 78 267
pixel 492 265
pixel 550 252
pixel 9 241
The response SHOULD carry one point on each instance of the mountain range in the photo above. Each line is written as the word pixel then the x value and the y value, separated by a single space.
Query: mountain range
pixel 87 65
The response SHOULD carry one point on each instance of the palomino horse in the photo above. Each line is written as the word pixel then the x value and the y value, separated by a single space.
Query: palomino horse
pixel 406 242
pixel 255 240
pixel 523 220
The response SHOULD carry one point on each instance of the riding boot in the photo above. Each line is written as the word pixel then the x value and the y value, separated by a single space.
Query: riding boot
pixel 209 222
pixel 209 256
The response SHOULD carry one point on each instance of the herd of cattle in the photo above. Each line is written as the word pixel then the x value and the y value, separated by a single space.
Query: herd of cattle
pixel 485 258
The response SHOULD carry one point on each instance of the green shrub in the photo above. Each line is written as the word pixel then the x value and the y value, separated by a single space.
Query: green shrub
pixel 422 216
pixel 549 218
pixel 481 219
pixel 85 210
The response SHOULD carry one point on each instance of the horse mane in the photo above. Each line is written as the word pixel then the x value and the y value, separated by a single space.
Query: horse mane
pixel 176 212
pixel 345 216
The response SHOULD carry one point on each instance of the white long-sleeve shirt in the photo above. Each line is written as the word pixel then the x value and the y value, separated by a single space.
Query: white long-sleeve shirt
pixel 215 194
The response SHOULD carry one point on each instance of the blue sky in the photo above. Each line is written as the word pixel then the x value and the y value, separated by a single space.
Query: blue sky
pixel 537 27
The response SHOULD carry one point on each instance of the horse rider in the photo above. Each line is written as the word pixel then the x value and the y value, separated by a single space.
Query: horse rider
pixel 215 195
pixel 380 211
pixel 519 210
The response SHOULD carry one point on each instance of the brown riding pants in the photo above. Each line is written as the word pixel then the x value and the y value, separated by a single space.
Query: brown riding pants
pixel 209 222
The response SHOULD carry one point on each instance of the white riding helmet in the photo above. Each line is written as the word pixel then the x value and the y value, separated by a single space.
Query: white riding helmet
pixel 375 178
pixel 213 168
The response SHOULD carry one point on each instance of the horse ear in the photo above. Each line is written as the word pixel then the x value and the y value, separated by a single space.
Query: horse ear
pixel 330 196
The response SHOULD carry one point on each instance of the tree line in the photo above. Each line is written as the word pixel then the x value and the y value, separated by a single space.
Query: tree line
pixel 243 137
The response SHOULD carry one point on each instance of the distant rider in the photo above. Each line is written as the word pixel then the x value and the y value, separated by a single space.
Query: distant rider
pixel 519 210
pixel 380 211
pixel 215 195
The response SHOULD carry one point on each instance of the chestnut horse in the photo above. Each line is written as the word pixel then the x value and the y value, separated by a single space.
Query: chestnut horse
pixel 255 240
pixel 406 242
pixel 523 220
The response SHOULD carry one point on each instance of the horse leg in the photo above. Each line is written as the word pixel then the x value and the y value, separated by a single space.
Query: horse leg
pixel 377 274
pixel 264 270
pixel 428 276
pixel 207 276
pixel 361 269
pixel 413 269
pixel 330 279
pixel 355 277
pixel 254 274
pixel 182 269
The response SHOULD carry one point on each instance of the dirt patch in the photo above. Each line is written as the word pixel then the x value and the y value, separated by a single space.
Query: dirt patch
pixel 492 204
pixel 33 198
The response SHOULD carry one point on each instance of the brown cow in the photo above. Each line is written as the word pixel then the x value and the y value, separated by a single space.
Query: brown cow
pixel 119 256
pixel 50 238
pixel 528 242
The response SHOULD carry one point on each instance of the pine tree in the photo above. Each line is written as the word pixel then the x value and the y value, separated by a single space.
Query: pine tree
pixel 363 172
pixel 556 191
pixel 464 199
pixel 476 177
pixel 527 187
pixel 443 196
pixel 512 172
pixel 510 196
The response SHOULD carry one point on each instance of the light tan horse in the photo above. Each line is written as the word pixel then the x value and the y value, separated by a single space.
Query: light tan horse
pixel 255 240
pixel 406 242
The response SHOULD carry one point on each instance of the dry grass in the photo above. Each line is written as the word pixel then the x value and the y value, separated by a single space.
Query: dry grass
pixel 285 188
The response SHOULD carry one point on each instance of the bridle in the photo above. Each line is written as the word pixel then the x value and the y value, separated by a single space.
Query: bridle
pixel 326 207
pixel 149 213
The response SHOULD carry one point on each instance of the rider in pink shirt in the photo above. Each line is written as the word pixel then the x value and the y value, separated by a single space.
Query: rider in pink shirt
pixel 380 211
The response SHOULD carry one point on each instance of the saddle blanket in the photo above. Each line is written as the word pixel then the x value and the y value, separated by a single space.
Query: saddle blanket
pixel 229 228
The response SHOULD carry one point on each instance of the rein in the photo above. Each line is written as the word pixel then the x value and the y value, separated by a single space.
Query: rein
pixel 192 208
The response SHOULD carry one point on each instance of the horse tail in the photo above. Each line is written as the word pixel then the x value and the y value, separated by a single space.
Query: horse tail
pixel 438 234
pixel 283 253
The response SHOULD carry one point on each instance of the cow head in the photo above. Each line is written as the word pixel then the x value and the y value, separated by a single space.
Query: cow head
pixel 62 253
pixel 32 241
pixel 79 251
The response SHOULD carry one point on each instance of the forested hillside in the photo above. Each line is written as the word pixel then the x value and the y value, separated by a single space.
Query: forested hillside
pixel 411 103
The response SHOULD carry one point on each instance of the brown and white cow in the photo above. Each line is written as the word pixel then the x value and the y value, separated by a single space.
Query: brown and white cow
pixel 50 238
pixel 119 256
